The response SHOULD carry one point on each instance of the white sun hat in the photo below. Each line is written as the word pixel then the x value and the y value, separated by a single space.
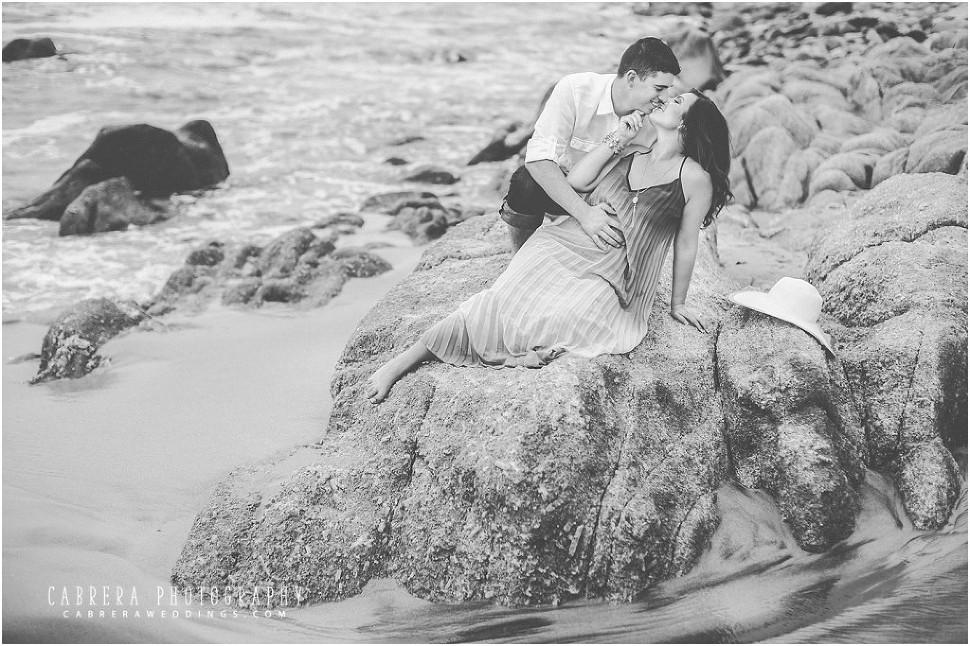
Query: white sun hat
pixel 792 300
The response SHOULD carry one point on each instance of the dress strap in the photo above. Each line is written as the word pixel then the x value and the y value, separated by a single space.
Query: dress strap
pixel 681 171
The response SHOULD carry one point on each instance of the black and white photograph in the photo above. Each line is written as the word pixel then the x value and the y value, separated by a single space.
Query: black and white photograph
pixel 438 322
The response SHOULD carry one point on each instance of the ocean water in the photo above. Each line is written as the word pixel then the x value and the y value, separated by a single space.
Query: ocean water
pixel 102 476
pixel 306 100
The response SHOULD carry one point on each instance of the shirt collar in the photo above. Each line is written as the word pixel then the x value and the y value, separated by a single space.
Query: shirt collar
pixel 606 101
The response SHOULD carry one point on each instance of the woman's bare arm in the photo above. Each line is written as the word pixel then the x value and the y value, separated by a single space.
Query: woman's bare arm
pixel 698 191
pixel 590 170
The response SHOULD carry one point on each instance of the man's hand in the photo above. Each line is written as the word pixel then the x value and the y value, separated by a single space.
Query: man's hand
pixel 683 315
pixel 602 225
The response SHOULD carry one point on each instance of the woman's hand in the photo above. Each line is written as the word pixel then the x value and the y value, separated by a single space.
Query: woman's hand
pixel 629 127
pixel 683 315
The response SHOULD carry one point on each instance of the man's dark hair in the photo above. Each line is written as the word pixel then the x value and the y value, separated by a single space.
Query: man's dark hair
pixel 648 56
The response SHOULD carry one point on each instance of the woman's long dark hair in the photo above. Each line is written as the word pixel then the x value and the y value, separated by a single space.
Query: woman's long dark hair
pixel 707 141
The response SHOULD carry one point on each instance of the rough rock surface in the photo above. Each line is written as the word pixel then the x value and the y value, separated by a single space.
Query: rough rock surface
pixel 792 427
pixel 587 478
pixel 894 277
pixel 23 48
pixel 107 206
pixel 156 162
pixel 71 344
pixel 297 267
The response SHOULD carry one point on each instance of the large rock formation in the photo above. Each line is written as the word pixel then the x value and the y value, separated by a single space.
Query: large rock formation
pixel 894 276
pixel 842 114
pixel 155 161
pixel 587 478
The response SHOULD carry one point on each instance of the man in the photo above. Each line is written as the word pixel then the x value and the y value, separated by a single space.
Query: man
pixel 582 109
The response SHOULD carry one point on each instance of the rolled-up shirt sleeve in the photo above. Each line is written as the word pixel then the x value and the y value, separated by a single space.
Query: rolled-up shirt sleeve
pixel 555 125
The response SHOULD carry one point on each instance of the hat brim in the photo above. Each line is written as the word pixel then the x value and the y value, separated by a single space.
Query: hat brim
pixel 761 302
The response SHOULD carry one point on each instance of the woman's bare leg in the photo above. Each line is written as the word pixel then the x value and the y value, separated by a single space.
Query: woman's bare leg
pixel 379 383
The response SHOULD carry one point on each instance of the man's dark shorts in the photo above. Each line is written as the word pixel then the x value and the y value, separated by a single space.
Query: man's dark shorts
pixel 527 203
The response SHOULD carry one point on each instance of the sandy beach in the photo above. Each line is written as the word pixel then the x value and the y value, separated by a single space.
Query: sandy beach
pixel 102 475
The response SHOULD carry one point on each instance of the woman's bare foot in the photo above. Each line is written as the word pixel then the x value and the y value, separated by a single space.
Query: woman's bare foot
pixel 379 384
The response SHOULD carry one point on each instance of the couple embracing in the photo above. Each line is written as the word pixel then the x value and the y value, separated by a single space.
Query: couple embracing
pixel 632 169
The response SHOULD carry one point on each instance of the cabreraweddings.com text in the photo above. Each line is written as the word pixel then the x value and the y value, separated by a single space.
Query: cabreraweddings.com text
pixel 130 602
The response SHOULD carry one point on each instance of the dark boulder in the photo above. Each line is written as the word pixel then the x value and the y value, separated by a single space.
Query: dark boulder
pixel 245 260
pixel 431 174
pixel 110 205
pixel 450 56
pixel 354 220
pixel 888 32
pixel 406 139
pixel 156 162
pixel 507 142
pixel 341 223
pixel 184 282
pixel 421 223
pixel 862 22
pixel 71 344
pixel 23 48
pixel 386 202
pixel 423 219
pixel 201 145
pixel 511 139
pixel 832 8
pixel 283 256
pixel 208 255
pixel 360 263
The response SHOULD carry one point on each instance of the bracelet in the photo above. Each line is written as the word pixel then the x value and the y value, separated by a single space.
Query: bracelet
pixel 613 141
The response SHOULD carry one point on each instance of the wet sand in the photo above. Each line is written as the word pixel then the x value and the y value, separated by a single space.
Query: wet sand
pixel 103 476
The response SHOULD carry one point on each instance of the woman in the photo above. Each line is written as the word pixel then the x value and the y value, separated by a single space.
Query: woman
pixel 562 293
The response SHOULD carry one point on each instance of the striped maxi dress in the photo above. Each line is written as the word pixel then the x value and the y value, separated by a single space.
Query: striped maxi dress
pixel 561 295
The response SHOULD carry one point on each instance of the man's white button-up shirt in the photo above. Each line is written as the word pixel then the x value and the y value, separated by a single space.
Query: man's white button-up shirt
pixel 578 114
